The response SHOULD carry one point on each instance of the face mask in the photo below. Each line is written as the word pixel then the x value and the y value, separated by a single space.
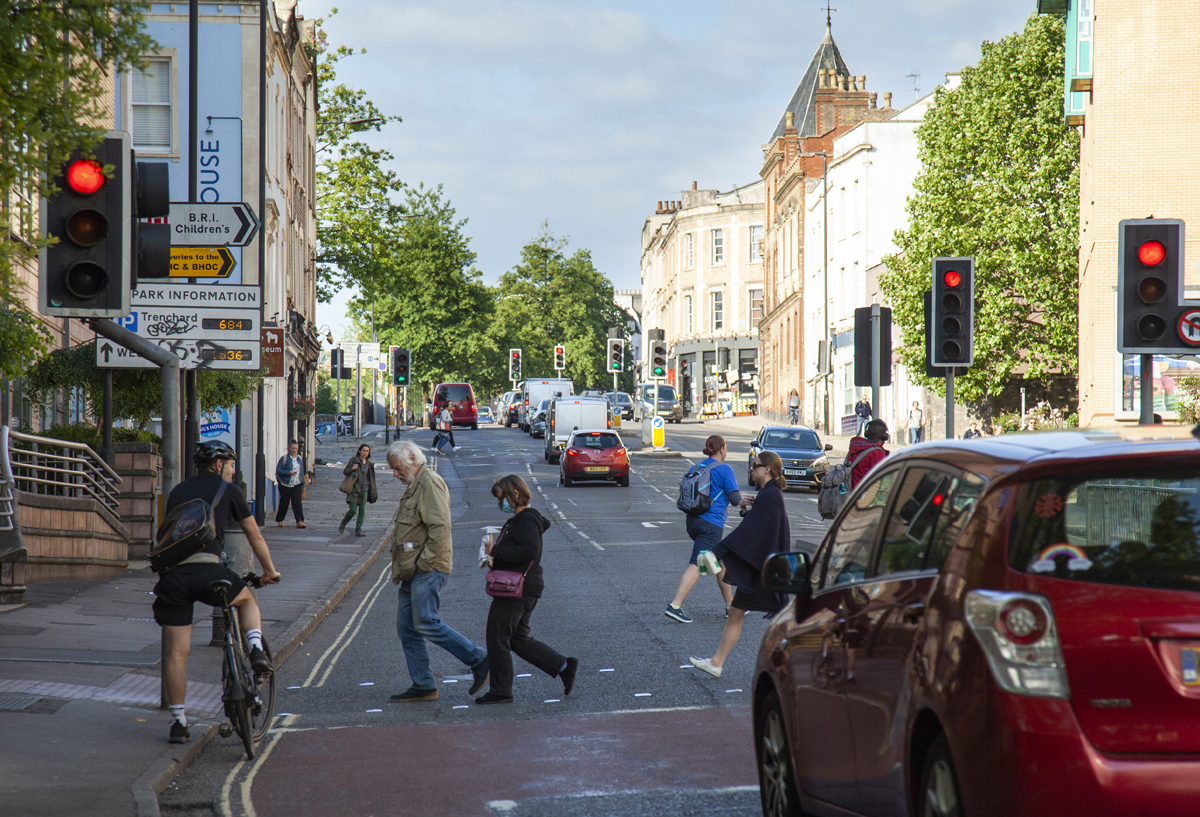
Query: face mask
pixel 506 506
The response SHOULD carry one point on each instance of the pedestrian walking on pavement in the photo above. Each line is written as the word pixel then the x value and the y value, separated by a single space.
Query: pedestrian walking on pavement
pixel 916 423
pixel 764 530
pixel 519 548
pixel 363 471
pixel 706 529
pixel 422 559
pixel 289 477
pixel 794 407
pixel 178 590
pixel 862 414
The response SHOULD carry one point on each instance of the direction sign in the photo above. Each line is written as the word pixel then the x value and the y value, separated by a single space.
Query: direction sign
pixel 201 262
pixel 1189 327
pixel 196 353
pixel 273 344
pixel 225 296
pixel 154 322
pixel 367 354
pixel 224 224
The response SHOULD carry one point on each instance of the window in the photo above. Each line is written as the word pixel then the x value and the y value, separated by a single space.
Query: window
pixel 756 234
pixel 718 311
pixel 151 117
pixel 718 246
pixel 596 439
pixel 687 314
pixel 756 307
pixel 851 542
pixel 920 510
pixel 689 251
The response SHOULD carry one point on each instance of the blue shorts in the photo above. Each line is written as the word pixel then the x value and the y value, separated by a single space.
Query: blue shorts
pixel 705 535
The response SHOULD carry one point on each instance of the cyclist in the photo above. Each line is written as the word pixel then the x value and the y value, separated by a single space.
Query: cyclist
pixel 178 590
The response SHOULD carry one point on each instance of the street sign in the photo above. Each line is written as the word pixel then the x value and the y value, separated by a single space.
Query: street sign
pixel 201 262
pixel 225 224
pixel 1189 327
pixel 153 322
pixel 367 354
pixel 193 353
pixel 273 358
pixel 217 295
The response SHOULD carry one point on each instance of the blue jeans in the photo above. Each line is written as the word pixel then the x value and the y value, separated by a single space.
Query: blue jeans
pixel 862 424
pixel 417 622
pixel 914 436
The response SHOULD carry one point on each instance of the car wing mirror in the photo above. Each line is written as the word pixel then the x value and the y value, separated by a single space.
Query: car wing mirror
pixel 828 446
pixel 787 573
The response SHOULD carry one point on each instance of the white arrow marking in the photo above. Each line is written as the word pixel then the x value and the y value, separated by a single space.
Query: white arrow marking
pixel 649 525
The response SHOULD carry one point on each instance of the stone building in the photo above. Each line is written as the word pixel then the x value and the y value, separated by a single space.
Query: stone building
pixel 702 284
pixel 828 101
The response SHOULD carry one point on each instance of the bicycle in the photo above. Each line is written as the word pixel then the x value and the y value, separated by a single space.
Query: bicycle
pixel 249 699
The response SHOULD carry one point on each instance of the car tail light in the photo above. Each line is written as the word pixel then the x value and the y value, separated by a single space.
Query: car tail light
pixel 572 452
pixel 620 452
pixel 1019 638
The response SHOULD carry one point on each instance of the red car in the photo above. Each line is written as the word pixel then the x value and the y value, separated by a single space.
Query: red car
pixel 594 454
pixel 1004 626
pixel 461 398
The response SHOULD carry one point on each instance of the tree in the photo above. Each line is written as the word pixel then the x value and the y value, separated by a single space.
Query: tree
pixel 429 298
pixel 357 219
pixel 1000 182
pixel 56 59
pixel 550 298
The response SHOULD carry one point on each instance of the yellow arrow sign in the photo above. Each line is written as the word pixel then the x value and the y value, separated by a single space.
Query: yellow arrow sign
pixel 201 262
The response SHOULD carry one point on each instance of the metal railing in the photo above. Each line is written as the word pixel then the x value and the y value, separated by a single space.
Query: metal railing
pixel 1119 513
pixel 76 472
pixel 8 502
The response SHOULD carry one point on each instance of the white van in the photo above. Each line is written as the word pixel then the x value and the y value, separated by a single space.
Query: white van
pixel 566 414
pixel 536 391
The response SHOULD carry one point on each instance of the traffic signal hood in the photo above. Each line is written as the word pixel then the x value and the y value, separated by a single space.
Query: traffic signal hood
pixel 952 333
pixel 1152 314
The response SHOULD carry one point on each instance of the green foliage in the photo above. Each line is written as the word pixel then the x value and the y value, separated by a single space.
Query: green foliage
pixel 550 298
pixel 90 436
pixel 1188 390
pixel 431 299
pixel 137 393
pixel 1000 182
pixel 52 92
pixel 326 399
pixel 357 220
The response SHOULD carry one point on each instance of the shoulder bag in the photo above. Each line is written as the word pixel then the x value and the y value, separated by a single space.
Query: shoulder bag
pixel 186 531
pixel 505 584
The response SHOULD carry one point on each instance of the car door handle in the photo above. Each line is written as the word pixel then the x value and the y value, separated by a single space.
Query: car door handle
pixel 913 613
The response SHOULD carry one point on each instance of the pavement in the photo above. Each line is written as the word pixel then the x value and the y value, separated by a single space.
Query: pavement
pixel 80 663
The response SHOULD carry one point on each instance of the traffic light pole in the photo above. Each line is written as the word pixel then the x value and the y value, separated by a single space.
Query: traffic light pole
pixel 1146 387
pixel 950 403
pixel 875 355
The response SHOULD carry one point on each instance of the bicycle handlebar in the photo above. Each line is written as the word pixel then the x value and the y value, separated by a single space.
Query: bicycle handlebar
pixel 255 580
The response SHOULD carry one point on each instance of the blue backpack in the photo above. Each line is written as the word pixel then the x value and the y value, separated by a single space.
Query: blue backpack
pixel 695 490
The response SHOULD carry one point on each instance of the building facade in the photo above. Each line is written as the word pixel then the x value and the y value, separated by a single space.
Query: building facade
pixel 1135 151
pixel 702 284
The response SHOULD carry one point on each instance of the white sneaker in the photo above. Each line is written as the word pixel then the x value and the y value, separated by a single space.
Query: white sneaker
pixel 711 565
pixel 707 666
pixel 457 447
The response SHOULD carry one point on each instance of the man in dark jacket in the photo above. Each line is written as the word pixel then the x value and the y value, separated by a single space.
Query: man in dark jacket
pixel 875 435
pixel 862 413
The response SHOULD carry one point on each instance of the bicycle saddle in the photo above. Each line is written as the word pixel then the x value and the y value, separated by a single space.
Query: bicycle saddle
pixel 221 587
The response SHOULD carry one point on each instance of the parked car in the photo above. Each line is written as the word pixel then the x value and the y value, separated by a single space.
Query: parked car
pixel 535 391
pixel 669 406
pixel 568 414
pixel 463 398
pixel 804 459
pixel 594 454
pixel 622 404
pixel 1007 625
pixel 485 414
pixel 509 409
pixel 537 422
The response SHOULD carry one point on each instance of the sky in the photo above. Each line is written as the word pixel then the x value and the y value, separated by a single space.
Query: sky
pixel 583 114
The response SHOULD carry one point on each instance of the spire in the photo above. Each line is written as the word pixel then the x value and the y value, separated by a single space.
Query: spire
pixel 803 103
pixel 829 19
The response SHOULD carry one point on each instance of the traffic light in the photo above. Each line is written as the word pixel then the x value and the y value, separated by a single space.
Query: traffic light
pixel 658 359
pixel 335 363
pixel 560 357
pixel 953 312
pixel 86 274
pixel 616 355
pixel 1150 309
pixel 401 360
pixel 514 364
pixel 151 242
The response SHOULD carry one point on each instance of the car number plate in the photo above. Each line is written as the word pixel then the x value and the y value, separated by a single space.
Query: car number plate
pixel 596 468
pixel 1187 660
pixel 792 472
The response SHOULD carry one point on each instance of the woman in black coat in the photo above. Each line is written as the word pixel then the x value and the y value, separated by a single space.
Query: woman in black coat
pixel 764 530
pixel 519 548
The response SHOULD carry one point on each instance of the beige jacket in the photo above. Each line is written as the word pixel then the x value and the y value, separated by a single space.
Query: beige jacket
pixel 421 540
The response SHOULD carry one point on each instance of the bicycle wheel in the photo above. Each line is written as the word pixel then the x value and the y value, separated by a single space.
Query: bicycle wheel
pixel 238 691
pixel 241 722
pixel 262 707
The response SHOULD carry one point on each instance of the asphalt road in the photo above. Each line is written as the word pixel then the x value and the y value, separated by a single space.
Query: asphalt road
pixel 643 733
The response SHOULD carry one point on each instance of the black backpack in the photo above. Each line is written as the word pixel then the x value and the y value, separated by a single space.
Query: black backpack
pixel 186 531
pixel 695 490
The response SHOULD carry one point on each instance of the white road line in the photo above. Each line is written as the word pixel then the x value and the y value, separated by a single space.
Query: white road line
pixel 262 755
pixel 363 608
pixel 573 502
pixel 572 524
pixel 528 469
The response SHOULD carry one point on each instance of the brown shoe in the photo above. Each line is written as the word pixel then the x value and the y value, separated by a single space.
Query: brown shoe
pixel 301 525
pixel 281 524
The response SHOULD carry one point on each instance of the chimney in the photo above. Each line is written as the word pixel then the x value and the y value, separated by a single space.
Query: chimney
pixel 887 99
pixel 694 185
pixel 789 120
pixel 862 82
pixel 874 97
pixel 660 207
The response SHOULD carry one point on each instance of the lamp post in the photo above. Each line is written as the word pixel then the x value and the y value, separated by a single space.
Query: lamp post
pixel 824 269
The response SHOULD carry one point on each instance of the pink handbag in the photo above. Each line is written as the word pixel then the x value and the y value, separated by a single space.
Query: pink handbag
pixel 505 584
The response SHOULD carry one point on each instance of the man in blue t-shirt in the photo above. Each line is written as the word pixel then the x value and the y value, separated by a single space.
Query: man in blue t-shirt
pixel 708 528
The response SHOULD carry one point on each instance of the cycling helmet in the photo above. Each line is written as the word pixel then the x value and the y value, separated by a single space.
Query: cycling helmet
pixel 209 452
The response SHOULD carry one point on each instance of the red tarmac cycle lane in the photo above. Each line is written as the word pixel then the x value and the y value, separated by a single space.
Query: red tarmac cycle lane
pixel 457 769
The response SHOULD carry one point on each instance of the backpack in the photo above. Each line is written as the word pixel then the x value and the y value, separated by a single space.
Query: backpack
pixel 835 485
pixel 186 531
pixel 695 497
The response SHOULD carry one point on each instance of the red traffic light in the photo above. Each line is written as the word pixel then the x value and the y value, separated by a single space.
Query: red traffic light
pixel 1152 253
pixel 85 176
pixel 952 278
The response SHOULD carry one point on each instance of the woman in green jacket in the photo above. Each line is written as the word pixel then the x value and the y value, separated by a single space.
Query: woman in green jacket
pixel 364 485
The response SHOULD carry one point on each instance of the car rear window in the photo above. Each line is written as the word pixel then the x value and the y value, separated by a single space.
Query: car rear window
pixel 791 439
pixel 454 394
pixel 596 440
pixel 1139 532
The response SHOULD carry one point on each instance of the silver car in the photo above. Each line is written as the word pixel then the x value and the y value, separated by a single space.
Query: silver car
pixel 537 426
pixel 669 407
